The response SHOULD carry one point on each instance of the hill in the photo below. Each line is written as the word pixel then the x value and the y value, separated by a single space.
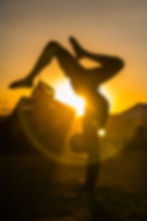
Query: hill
pixel 37 121
pixel 137 112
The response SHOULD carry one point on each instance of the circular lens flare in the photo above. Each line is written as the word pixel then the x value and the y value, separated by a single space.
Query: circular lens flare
pixel 101 132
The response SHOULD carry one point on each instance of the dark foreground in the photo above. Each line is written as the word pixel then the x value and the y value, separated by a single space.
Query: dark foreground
pixel 33 189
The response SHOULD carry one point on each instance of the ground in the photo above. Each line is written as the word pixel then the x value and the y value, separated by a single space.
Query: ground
pixel 33 189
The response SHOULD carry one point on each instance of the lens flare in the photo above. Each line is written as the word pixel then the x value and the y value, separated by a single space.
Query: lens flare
pixel 101 132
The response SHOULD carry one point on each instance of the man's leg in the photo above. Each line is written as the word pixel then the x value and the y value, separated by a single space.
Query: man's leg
pixel 79 51
pixel 43 60
pixel 93 164
pixel 92 174
pixel 110 65
pixel 67 62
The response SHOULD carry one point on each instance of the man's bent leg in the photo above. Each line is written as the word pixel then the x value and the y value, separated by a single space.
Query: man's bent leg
pixel 51 50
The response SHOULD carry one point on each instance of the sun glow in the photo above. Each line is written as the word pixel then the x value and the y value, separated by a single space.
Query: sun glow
pixel 65 94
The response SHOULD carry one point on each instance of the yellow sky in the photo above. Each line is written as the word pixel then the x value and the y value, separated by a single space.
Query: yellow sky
pixel 113 27
pixel 117 91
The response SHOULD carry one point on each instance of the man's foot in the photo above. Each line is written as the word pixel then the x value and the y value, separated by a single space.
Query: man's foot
pixel 80 53
pixel 26 82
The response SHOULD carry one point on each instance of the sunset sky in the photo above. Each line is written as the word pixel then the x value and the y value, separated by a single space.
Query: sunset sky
pixel 115 27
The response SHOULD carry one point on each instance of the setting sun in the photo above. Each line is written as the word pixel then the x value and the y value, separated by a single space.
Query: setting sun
pixel 65 93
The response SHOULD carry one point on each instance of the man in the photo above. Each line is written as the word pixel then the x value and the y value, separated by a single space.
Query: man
pixel 85 82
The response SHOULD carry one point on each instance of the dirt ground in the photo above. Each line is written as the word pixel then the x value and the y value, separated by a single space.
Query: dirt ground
pixel 33 189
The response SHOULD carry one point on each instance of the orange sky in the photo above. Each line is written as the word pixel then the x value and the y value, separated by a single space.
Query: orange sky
pixel 112 27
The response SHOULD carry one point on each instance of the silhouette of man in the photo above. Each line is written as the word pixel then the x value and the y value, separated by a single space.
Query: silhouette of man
pixel 85 82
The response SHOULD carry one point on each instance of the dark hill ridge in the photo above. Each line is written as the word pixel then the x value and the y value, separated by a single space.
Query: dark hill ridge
pixel 128 121
pixel 49 122
pixel 139 111
pixel 38 118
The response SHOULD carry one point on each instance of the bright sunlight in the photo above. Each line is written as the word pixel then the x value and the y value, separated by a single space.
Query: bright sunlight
pixel 65 93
